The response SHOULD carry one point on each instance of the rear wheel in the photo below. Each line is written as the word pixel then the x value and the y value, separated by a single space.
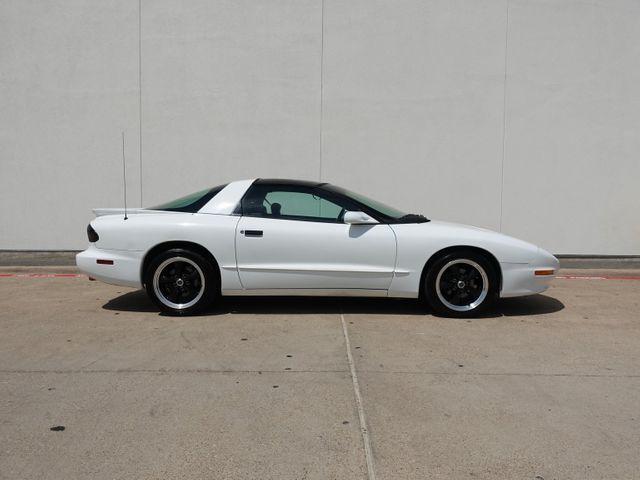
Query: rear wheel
pixel 181 282
pixel 461 284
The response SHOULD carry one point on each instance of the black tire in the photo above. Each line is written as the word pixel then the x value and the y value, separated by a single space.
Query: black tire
pixel 461 284
pixel 181 282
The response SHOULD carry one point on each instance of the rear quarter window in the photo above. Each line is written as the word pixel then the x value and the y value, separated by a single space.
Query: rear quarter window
pixel 191 203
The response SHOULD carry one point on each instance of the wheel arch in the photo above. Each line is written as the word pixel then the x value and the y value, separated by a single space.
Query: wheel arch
pixel 164 246
pixel 460 248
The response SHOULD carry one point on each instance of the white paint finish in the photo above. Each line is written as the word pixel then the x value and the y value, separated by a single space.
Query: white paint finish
pixel 306 257
pixel 418 242
pixel 68 87
pixel 573 126
pixel 313 255
pixel 100 212
pixel 141 232
pixel 413 104
pixel 520 279
pixel 305 292
pixel 358 218
pixel 124 271
pixel 226 201
pixel 231 89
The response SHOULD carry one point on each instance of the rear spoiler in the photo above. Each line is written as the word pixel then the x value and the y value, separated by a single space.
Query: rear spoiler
pixel 99 212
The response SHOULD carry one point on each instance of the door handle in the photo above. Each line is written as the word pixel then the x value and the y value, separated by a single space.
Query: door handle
pixel 252 233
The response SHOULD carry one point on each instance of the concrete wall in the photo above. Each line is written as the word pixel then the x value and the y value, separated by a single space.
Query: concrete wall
pixel 521 116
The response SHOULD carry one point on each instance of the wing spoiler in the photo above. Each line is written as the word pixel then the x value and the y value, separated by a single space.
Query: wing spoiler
pixel 99 212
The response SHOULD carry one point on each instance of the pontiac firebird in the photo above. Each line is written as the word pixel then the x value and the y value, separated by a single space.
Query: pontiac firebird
pixel 292 237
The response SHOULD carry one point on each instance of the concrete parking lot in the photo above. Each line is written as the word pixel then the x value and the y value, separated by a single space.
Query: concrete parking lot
pixel 545 387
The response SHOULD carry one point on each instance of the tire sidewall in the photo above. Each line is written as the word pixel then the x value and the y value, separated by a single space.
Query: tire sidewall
pixel 211 287
pixel 430 284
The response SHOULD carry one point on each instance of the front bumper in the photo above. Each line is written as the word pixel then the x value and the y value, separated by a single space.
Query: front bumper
pixel 519 279
pixel 125 269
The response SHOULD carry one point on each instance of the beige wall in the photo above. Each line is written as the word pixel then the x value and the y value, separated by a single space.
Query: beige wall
pixel 522 116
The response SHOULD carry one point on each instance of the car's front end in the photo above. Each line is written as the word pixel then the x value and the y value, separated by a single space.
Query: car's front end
pixel 529 278
pixel 525 268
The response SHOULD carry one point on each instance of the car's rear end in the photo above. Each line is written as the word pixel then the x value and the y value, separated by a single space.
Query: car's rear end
pixel 119 240
pixel 106 259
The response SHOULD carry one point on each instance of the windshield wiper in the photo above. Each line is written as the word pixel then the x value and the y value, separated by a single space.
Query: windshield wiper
pixel 413 218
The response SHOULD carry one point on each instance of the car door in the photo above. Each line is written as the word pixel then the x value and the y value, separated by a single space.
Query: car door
pixel 292 237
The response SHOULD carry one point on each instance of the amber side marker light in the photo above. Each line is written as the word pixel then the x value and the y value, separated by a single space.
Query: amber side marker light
pixel 550 271
pixel 104 262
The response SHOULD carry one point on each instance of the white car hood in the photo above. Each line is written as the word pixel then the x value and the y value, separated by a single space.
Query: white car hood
pixel 506 249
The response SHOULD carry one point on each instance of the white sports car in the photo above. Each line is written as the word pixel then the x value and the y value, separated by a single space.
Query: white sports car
pixel 291 237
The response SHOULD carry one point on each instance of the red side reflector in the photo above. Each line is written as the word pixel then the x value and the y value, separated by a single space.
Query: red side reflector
pixel 545 272
pixel 104 262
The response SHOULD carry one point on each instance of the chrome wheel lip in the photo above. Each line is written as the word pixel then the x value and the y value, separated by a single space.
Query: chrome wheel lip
pixel 477 302
pixel 160 295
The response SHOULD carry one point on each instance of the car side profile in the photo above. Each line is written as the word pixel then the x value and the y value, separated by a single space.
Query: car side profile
pixel 293 237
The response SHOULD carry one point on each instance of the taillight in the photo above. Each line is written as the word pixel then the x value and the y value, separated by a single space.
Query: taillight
pixel 91 233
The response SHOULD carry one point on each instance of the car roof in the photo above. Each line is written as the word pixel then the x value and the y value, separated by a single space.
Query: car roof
pixel 288 181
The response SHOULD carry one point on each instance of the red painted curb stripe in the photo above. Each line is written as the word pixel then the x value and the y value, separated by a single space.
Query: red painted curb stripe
pixel 42 275
pixel 602 277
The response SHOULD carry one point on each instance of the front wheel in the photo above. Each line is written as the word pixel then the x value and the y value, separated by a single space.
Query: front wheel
pixel 181 282
pixel 461 284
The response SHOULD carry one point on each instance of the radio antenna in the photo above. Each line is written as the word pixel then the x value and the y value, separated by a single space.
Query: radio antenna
pixel 124 178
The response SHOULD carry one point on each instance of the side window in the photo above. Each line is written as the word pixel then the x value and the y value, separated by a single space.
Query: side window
pixel 293 203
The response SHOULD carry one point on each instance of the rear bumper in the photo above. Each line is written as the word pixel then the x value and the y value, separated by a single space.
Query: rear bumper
pixel 124 271
pixel 519 279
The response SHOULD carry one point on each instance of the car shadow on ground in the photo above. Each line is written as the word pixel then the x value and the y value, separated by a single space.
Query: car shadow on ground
pixel 138 301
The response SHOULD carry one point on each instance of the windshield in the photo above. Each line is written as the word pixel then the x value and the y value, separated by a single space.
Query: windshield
pixel 190 203
pixel 391 213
